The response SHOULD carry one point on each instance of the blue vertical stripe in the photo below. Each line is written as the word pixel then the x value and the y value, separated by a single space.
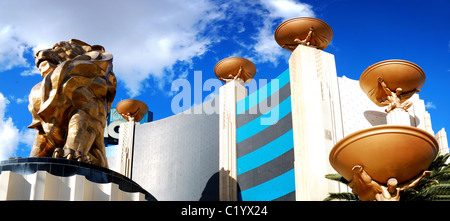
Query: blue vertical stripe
pixel 272 189
pixel 256 97
pixel 266 153
pixel 255 126
pixel 262 157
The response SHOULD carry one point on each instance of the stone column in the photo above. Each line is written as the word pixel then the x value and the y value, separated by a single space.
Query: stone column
pixel 441 138
pixel 126 141
pixel 398 117
pixel 229 94
pixel 316 120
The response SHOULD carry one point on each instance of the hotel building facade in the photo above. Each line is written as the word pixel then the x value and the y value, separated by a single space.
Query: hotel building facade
pixel 272 144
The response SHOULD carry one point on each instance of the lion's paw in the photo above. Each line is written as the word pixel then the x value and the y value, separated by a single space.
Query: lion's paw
pixel 71 155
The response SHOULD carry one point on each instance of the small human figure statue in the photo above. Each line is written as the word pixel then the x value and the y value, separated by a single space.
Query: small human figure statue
pixel 128 116
pixel 396 99
pixel 312 39
pixel 369 190
pixel 242 74
pixel 307 40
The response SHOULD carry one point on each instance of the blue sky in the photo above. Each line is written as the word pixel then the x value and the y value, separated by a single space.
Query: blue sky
pixel 156 42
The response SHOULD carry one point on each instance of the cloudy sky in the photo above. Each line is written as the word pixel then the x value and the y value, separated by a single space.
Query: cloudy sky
pixel 156 42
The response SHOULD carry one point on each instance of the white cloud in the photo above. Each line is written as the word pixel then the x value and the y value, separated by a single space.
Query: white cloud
pixel 266 47
pixel 30 72
pixel 9 134
pixel 27 137
pixel 3 103
pixel 11 50
pixel 264 16
pixel 19 100
pixel 430 105
pixel 287 9
pixel 147 38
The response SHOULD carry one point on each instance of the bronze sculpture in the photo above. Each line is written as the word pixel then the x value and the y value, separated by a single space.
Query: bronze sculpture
pixel 70 105
pixel 368 190
pixel 395 155
pixel 380 162
pixel 391 83
pixel 385 151
pixel 235 68
pixel 132 109
pixel 396 99
pixel 306 31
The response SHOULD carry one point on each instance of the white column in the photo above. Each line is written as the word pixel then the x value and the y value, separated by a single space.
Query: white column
pixel 441 137
pixel 77 187
pixel 45 186
pixel 316 120
pixel 126 142
pixel 229 94
pixel 398 117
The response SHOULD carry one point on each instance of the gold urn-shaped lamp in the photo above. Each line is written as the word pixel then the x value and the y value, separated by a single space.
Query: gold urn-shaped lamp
pixel 235 68
pixel 132 110
pixel 385 151
pixel 306 31
pixel 382 161
pixel 401 77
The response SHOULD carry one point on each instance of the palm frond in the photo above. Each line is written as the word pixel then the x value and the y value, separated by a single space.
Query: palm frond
pixel 438 190
pixel 435 187
pixel 342 196
pixel 439 162
pixel 336 177
pixel 439 198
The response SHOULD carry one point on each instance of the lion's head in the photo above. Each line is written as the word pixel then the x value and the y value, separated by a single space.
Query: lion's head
pixel 47 60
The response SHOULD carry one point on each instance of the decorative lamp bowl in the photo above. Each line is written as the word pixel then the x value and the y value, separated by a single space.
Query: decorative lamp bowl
pixel 228 68
pixel 396 74
pixel 132 108
pixel 298 28
pixel 388 151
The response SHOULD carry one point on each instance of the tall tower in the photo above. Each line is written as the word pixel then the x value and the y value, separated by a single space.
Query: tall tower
pixel 316 116
pixel 133 111
pixel 235 71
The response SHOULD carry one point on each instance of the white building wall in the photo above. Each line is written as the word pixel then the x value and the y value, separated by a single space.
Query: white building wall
pixel 359 112
pixel 441 137
pixel 45 186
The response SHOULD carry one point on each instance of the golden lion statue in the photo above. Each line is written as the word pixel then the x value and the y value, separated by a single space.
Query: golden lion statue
pixel 70 105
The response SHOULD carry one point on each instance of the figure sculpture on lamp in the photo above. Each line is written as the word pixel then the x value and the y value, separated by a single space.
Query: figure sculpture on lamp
pixel 396 99
pixel 235 69
pixel 391 83
pixel 306 31
pixel 132 109
pixel 382 161
pixel 368 189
